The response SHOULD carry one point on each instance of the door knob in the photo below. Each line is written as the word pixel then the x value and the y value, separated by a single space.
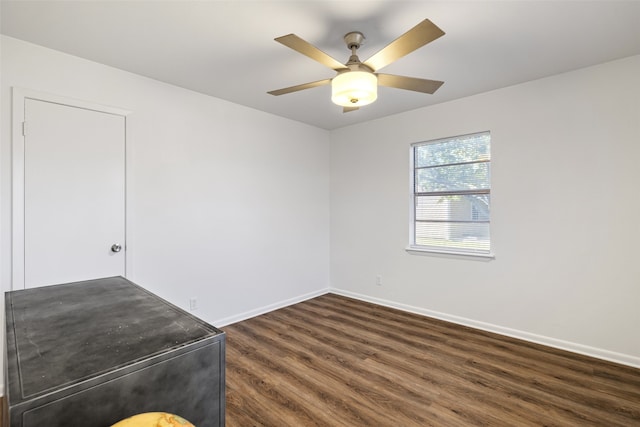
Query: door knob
pixel 116 247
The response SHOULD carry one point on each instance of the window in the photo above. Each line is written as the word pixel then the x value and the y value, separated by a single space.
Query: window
pixel 451 195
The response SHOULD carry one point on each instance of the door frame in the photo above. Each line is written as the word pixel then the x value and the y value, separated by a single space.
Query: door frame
pixel 20 96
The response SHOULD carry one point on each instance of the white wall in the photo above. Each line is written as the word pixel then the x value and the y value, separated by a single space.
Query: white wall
pixel 565 211
pixel 229 205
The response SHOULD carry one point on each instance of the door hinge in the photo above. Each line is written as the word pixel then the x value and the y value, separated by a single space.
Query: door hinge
pixel 24 128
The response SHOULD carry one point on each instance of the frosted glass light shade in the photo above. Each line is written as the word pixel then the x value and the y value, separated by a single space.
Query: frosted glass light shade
pixel 354 88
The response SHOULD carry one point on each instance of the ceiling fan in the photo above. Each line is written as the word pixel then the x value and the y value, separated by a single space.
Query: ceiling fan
pixel 356 83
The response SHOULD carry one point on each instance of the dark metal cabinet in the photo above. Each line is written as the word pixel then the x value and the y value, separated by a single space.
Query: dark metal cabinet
pixel 93 353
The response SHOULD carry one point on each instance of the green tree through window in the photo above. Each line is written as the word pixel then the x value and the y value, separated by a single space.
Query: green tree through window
pixel 451 194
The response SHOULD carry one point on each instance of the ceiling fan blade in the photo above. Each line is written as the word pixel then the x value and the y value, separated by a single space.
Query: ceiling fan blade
pixel 300 87
pixel 296 43
pixel 348 109
pixel 409 83
pixel 418 36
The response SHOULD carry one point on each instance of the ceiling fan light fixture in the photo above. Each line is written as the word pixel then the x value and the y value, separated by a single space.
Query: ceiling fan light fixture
pixel 354 88
pixel 356 83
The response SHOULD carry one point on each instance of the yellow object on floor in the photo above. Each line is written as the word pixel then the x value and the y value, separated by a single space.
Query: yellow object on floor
pixel 154 419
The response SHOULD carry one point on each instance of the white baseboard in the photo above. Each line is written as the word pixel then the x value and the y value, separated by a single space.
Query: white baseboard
pixel 599 353
pixel 267 308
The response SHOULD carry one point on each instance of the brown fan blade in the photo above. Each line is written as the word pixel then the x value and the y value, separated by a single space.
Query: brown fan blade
pixel 306 48
pixel 409 83
pixel 418 36
pixel 300 87
pixel 348 109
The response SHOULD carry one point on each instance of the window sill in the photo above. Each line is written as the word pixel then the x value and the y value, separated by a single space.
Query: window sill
pixel 417 250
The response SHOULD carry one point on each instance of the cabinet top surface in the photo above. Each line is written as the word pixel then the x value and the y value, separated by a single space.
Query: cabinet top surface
pixel 59 335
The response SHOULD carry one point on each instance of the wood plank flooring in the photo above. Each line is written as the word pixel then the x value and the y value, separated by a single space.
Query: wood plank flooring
pixel 335 361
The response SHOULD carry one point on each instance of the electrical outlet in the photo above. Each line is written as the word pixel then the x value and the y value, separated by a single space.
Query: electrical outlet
pixel 193 304
pixel 379 280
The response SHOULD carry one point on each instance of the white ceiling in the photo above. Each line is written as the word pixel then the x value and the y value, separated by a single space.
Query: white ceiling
pixel 226 48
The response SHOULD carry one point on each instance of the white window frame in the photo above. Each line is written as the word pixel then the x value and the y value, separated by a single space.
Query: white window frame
pixel 415 249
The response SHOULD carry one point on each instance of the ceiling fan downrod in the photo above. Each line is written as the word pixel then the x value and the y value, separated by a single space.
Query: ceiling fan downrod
pixel 354 40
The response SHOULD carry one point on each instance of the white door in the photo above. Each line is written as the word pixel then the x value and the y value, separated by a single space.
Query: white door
pixel 74 193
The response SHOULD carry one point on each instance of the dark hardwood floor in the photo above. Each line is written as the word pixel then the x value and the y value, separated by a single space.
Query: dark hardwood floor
pixel 335 361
